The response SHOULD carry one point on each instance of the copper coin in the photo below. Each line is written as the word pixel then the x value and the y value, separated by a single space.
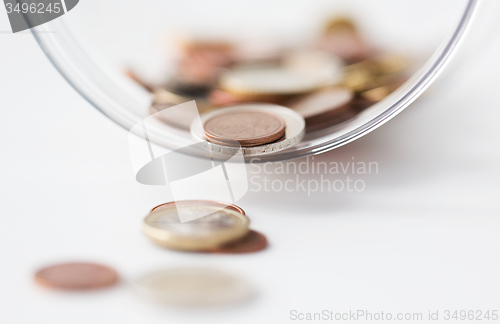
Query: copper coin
pixel 199 203
pixel 249 128
pixel 76 276
pixel 252 242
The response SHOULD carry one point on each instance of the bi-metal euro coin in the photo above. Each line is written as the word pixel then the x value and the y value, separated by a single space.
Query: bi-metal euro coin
pixel 211 226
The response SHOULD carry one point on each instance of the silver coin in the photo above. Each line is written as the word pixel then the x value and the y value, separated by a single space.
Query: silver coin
pixel 300 72
pixel 295 130
pixel 322 102
pixel 193 287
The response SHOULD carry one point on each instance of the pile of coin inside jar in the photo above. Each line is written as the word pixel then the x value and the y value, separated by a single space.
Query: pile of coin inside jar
pixel 239 93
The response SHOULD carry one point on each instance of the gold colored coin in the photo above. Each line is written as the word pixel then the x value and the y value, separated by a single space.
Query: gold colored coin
pixel 379 93
pixel 194 227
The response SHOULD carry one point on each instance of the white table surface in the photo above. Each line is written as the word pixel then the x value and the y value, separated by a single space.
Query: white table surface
pixel 424 235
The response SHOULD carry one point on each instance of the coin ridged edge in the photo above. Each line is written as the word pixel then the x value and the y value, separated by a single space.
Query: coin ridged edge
pixel 261 140
pixel 200 201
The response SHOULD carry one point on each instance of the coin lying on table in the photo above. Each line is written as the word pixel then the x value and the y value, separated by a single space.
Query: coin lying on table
pixel 211 226
pixel 248 128
pixel 193 287
pixel 76 276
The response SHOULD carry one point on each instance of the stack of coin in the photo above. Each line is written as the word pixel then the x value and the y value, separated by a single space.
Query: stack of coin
pixel 314 81
pixel 248 128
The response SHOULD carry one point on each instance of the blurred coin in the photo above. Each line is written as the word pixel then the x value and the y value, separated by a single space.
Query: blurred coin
pixel 356 76
pixel 252 242
pixel 201 61
pixel 210 227
pixel 193 287
pixel 328 120
pixel 329 100
pixel 276 79
pixel 199 203
pixel 220 97
pixel 249 128
pixel 379 93
pixel 342 38
pixel 340 24
pixel 337 117
pixel 76 276
pixel 251 51
pixel 375 72
pixel 392 63
pixel 315 62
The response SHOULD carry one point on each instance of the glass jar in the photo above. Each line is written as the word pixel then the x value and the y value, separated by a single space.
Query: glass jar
pixel 91 45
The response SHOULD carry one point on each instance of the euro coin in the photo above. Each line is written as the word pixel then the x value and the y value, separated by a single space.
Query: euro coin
pixel 208 226
pixel 248 128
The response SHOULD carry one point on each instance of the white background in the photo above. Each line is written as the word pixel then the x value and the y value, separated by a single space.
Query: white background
pixel 424 235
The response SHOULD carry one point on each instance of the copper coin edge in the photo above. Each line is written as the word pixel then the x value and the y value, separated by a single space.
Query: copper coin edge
pixel 254 141
pixel 252 242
